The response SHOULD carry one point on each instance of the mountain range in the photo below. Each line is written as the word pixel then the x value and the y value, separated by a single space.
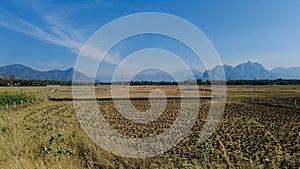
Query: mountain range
pixel 26 73
pixel 251 71
pixel 244 71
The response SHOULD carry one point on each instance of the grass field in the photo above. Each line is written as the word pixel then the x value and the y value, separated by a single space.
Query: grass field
pixel 259 129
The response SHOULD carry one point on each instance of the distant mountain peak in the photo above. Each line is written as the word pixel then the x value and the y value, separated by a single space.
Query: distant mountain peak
pixel 287 73
pixel 16 66
pixel 246 71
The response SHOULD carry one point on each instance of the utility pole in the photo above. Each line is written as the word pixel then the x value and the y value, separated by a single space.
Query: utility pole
pixel 254 84
pixel 11 78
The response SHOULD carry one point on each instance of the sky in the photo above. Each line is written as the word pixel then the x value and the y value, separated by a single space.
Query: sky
pixel 48 34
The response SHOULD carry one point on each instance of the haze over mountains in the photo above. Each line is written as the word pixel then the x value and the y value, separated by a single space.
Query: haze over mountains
pixel 244 71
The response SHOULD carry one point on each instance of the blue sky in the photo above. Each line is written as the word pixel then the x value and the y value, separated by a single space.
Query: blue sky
pixel 49 34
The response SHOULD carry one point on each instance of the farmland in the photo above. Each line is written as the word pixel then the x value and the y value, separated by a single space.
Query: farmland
pixel 259 129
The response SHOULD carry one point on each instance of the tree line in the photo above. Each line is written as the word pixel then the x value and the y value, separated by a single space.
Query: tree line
pixel 18 82
pixel 228 82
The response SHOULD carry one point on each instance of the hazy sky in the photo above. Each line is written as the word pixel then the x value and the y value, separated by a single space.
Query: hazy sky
pixel 48 34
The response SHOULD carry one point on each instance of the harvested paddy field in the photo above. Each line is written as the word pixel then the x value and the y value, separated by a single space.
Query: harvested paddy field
pixel 259 129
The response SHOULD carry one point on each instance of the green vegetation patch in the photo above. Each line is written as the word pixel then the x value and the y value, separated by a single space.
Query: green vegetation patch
pixel 13 97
